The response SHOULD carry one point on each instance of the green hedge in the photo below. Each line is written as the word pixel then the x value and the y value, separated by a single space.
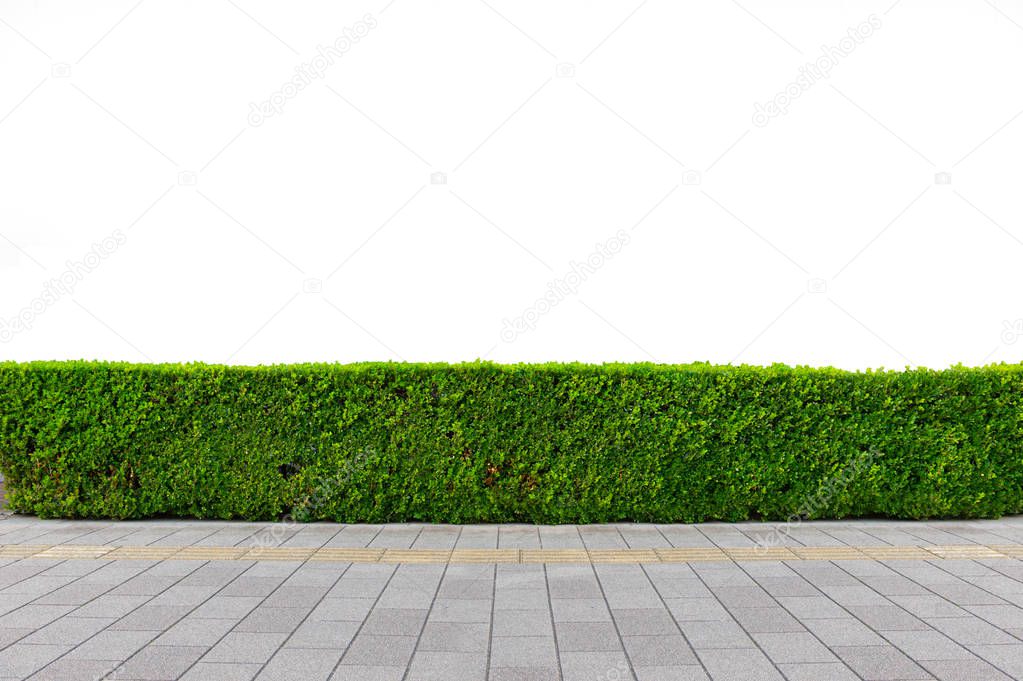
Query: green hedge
pixel 483 442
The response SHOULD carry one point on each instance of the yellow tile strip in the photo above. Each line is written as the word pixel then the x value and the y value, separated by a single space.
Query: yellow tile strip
pixel 555 556
pixel 209 553
pixel 818 552
pixel 965 552
pixel 441 556
pixel 415 556
pixel 143 552
pixel 690 555
pixel 1010 550
pixel 348 555
pixel 486 556
pixel 765 553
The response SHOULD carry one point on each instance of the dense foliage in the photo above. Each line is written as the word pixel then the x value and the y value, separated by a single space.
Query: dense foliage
pixel 484 442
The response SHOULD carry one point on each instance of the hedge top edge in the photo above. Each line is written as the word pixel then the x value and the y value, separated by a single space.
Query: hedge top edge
pixel 513 366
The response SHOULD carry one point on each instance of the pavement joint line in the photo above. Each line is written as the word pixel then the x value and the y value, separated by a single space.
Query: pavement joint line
pixel 553 555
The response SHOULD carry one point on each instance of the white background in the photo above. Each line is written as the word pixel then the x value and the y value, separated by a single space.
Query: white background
pixel 821 238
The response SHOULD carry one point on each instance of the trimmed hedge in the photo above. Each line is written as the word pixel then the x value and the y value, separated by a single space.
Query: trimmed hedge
pixel 483 442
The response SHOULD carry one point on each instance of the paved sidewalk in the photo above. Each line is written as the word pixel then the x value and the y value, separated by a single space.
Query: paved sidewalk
pixel 223 601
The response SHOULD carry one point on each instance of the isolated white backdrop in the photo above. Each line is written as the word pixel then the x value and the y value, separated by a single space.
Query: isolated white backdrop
pixel 425 189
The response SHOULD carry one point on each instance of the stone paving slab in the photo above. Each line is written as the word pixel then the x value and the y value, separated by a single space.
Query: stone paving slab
pixel 161 600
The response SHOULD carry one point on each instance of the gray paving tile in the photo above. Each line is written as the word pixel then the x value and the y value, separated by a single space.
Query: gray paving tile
pixel 395 622
pixel 466 588
pixel 854 595
pixel 352 587
pixel 342 609
pixel 520 599
pixel 146 585
pixel 227 607
pixel 681 587
pixel 442 666
pixel 1003 616
pixel 887 618
pixel 521 577
pixel 368 673
pixel 245 646
pixel 928 605
pixel 1008 658
pixel 151 618
pixel 580 610
pixel 595 665
pixel 332 635
pixel 296 596
pixel 77 593
pixel 588 636
pixel 893 585
pixel 9 636
pixel 817 671
pixel 707 635
pixel 636 598
pixel 70 668
pixel 928 645
pixel 566 587
pixel 671 673
pixel 787 586
pixel 962 593
pixel 964 670
pixel 843 632
pixel 457 637
pixel 386 651
pixel 880 663
pixel 33 616
pixel 192 631
pixel 971 631
pixel 766 619
pixel 794 647
pixel 39 585
pixel 184 595
pixel 221 671
pixel 251 585
pixel 406 598
pixel 697 609
pixel 471 571
pixel 522 623
pixel 812 607
pixel 532 674
pixel 740 664
pixel 9 602
pixel 662 650
pixel 69 630
pixel 644 622
pixel 110 605
pixel 294 664
pixel 523 651
pixel 743 597
pixel 112 645
pixel 159 663
pixel 264 619
pixel 460 611
pixel 21 660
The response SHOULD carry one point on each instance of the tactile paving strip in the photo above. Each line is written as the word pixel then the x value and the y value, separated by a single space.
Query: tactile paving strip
pixel 584 556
